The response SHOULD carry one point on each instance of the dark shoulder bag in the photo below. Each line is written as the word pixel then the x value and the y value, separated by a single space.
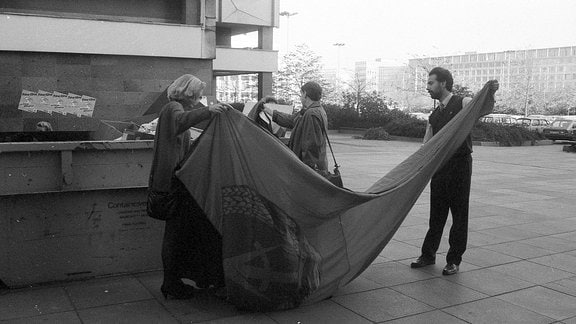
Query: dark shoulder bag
pixel 335 177
pixel 159 204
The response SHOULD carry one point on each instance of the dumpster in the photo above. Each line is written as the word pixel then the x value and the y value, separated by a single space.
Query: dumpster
pixel 75 210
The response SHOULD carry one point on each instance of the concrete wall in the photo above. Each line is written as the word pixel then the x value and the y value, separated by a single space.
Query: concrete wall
pixel 152 10
pixel 124 86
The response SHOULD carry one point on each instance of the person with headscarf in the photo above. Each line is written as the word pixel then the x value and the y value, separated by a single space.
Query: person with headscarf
pixel 191 247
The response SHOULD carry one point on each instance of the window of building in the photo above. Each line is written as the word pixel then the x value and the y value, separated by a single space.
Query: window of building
pixel 552 52
pixel 564 51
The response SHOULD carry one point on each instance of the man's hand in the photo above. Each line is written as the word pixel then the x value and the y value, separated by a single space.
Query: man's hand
pixel 494 85
pixel 219 108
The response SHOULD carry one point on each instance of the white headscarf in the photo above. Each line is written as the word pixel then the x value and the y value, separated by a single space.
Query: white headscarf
pixel 186 86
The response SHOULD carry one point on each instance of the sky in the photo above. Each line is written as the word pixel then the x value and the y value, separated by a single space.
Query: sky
pixel 398 30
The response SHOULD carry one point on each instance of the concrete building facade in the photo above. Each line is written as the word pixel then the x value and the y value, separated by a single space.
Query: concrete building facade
pixel 544 70
pixel 125 53
pixel 366 73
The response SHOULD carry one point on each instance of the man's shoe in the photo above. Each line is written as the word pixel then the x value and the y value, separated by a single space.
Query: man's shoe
pixel 450 269
pixel 422 262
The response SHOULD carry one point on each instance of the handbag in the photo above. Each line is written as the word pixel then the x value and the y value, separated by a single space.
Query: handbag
pixel 159 204
pixel 335 178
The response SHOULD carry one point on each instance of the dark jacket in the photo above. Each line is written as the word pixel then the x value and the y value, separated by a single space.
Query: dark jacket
pixel 308 139
pixel 172 142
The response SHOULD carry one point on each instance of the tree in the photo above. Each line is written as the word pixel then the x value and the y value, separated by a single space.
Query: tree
pixel 462 91
pixel 356 89
pixel 297 68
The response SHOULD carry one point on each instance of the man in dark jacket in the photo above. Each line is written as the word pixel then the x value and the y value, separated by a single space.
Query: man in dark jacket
pixel 450 185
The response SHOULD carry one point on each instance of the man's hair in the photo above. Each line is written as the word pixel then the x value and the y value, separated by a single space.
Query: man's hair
pixel 313 90
pixel 443 75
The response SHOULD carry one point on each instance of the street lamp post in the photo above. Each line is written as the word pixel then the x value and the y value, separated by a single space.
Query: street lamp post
pixel 338 46
pixel 288 15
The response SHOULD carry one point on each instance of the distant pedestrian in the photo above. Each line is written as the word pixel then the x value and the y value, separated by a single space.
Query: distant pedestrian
pixel 450 185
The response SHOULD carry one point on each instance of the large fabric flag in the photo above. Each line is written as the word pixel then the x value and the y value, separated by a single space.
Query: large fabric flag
pixel 289 236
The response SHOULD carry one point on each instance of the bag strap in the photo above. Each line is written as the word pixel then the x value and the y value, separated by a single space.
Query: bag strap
pixel 336 166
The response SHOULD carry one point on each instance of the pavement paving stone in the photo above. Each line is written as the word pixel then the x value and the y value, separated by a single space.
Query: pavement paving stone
pixel 413 232
pixel 436 316
pixel 482 257
pixel 243 319
pixel 439 292
pixel 532 272
pixel 545 228
pixel 510 233
pixel 480 239
pixel 57 318
pixel 393 273
pixel 544 301
pixel 569 321
pixel 34 302
pixel 492 310
pixel 382 304
pixel 360 284
pixel 327 311
pixel 106 291
pixel 551 243
pixel 395 250
pixel 570 236
pixel 519 250
pixel 489 282
pixel 567 286
pixel 560 261
pixel 142 312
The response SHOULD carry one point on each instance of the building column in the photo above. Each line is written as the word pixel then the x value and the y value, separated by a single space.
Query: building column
pixel 265 42
pixel 264 84
pixel 191 12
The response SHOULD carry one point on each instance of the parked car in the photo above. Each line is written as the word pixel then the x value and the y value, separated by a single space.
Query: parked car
pixel 561 129
pixel 549 118
pixel 501 119
pixel 533 124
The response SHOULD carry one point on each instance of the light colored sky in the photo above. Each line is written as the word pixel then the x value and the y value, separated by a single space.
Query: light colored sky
pixel 397 30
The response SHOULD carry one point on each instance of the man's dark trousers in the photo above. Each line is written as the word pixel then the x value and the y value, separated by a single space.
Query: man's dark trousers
pixel 449 191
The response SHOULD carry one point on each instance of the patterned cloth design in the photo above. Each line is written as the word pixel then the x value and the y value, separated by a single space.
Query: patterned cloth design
pixel 268 263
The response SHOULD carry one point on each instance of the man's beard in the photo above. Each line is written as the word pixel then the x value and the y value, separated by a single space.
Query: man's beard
pixel 434 95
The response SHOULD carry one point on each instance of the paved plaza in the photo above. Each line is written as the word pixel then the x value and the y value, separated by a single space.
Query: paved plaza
pixel 520 266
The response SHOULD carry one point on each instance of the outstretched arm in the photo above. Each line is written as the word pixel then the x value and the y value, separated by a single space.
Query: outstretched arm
pixel 186 119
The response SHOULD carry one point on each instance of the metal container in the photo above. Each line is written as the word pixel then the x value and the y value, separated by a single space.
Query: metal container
pixel 73 210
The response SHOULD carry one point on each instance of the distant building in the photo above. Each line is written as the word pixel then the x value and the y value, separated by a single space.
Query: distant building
pixel 366 74
pixel 392 79
pixel 237 88
pixel 545 70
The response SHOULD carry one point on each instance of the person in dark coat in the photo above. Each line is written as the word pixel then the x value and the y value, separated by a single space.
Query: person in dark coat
pixel 191 247
pixel 450 185
pixel 309 127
